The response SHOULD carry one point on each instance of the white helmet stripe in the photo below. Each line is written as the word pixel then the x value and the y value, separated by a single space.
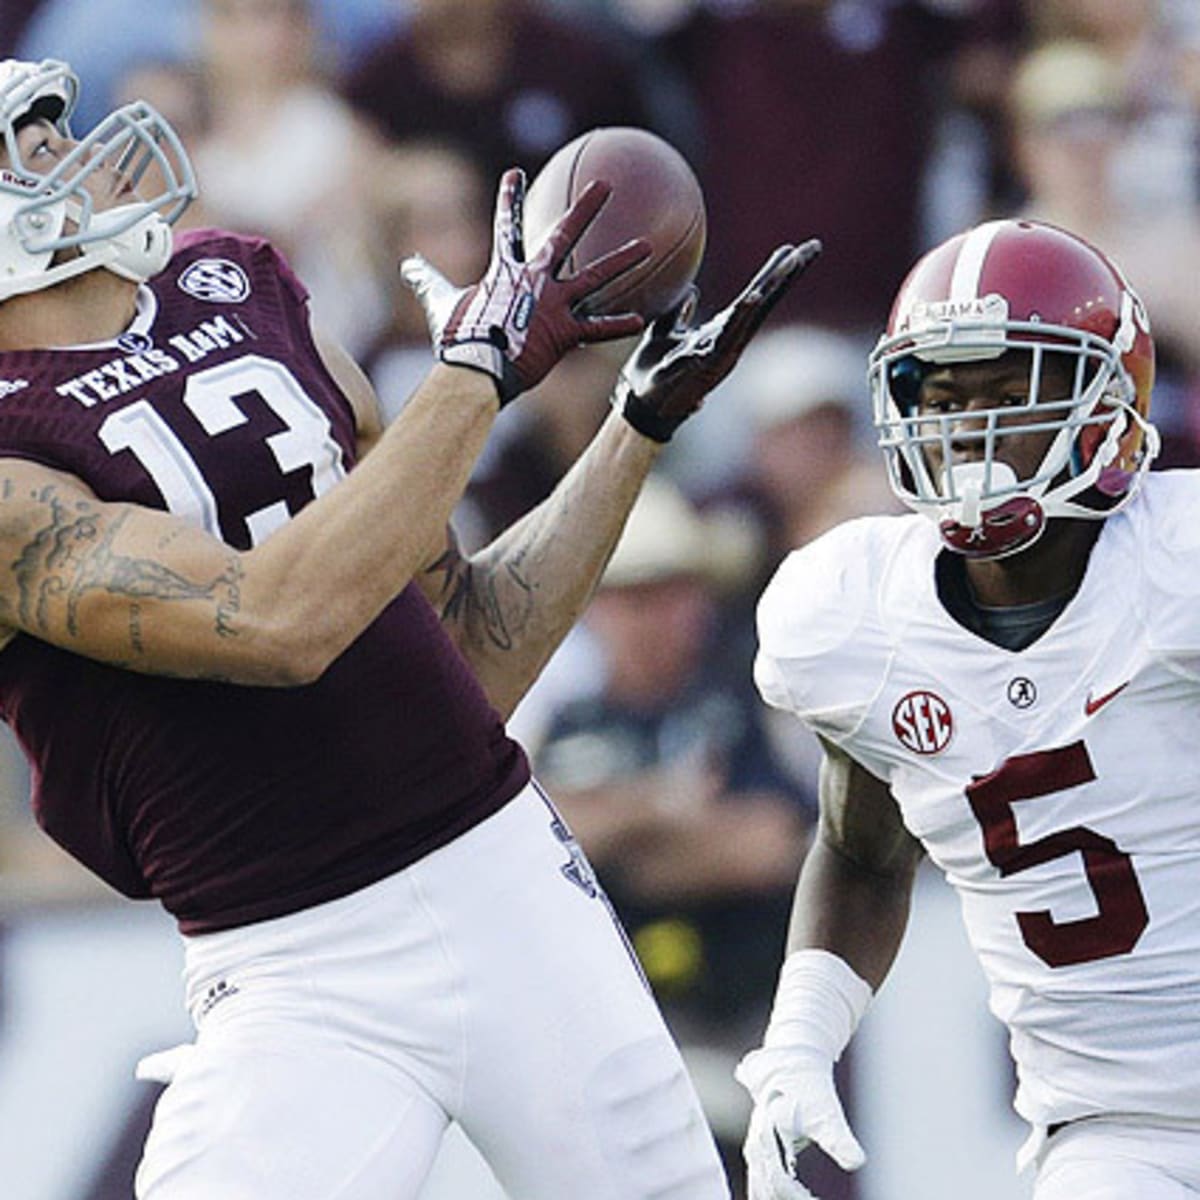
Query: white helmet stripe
pixel 964 283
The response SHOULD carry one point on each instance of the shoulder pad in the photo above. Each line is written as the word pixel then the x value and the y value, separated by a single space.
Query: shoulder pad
pixel 1164 520
pixel 821 599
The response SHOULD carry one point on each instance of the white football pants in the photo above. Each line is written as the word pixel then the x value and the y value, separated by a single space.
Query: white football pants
pixel 1111 1158
pixel 489 983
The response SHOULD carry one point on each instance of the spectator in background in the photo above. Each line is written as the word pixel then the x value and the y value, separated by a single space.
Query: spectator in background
pixel 503 79
pixel 177 91
pixel 667 779
pixel 1070 123
pixel 283 155
pixel 803 396
pixel 425 198
pixel 1152 45
pixel 821 113
pixel 105 39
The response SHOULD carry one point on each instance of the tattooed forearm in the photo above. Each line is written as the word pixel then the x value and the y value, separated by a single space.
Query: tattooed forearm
pixel 135 628
pixel 455 572
pixel 492 604
pixel 122 576
pixel 71 556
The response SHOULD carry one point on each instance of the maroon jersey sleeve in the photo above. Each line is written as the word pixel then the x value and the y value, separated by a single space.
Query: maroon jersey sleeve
pixel 189 239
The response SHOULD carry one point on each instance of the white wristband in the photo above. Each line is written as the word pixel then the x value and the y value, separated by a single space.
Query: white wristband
pixel 818 1003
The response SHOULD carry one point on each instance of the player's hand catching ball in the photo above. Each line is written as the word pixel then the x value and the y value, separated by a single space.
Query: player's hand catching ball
pixel 676 365
pixel 520 318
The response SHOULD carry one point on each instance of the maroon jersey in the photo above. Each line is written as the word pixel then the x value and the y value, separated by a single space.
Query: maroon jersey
pixel 234 804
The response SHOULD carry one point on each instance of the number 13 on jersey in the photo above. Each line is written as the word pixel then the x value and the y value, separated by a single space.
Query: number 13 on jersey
pixel 214 396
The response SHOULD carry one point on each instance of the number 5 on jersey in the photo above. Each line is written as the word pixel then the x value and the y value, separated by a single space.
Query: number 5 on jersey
pixel 1122 915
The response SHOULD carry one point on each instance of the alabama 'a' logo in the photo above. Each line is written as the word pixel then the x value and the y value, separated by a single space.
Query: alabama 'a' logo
pixel 923 723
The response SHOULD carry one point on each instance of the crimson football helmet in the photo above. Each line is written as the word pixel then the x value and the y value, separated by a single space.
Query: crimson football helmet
pixel 50 228
pixel 1003 286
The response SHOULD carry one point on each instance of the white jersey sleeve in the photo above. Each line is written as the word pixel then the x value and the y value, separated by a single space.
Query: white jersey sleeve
pixel 820 644
pixel 1164 533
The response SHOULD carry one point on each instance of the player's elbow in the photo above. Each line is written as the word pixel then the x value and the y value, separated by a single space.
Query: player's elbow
pixel 298 670
pixel 288 655
pixel 289 635
pixel 299 661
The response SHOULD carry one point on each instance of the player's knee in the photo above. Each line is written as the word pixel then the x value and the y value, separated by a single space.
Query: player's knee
pixel 650 1125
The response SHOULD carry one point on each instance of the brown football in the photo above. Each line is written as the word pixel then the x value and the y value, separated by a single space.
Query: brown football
pixel 655 195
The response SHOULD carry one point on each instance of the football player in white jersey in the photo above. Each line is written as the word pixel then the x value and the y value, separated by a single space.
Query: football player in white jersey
pixel 1008 682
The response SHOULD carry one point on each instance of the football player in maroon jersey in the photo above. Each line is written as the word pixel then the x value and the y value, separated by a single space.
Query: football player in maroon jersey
pixel 257 681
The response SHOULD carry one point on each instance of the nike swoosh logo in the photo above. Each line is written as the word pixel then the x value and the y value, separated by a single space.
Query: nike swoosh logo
pixel 1090 706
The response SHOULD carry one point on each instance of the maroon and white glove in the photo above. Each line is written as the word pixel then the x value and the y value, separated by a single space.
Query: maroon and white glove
pixel 520 318
pixel 677 364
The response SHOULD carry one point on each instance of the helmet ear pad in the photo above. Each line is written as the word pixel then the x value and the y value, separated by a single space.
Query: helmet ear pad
pixel 1122 444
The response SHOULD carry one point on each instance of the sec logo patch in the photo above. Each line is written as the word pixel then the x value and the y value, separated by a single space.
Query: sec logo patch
pixel 216 280
pixel 923 723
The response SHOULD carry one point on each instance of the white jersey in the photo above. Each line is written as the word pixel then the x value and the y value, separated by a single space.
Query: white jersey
pixel 1058 787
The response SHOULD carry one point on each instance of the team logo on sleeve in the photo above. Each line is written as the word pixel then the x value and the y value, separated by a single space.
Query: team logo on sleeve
pixel 923 723
pixel 217 280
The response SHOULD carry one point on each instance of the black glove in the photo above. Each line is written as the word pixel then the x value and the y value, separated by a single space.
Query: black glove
pixel 520 319
pixel 675 366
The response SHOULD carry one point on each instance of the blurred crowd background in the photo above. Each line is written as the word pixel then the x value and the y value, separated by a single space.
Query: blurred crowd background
pixel 354 132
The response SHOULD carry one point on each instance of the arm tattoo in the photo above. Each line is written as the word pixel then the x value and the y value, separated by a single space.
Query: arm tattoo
pixel 471 597
pixel 70 556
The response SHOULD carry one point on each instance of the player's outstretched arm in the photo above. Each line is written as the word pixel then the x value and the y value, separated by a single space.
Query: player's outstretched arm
pixel 851 909
pixel 510 604
pixel 146 591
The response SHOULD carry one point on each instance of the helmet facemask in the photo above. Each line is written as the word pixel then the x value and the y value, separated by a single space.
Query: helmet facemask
pixel 50 227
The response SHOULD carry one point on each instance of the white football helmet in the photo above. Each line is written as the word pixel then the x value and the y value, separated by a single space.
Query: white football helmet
pixel 45 216
pixel 1016 285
